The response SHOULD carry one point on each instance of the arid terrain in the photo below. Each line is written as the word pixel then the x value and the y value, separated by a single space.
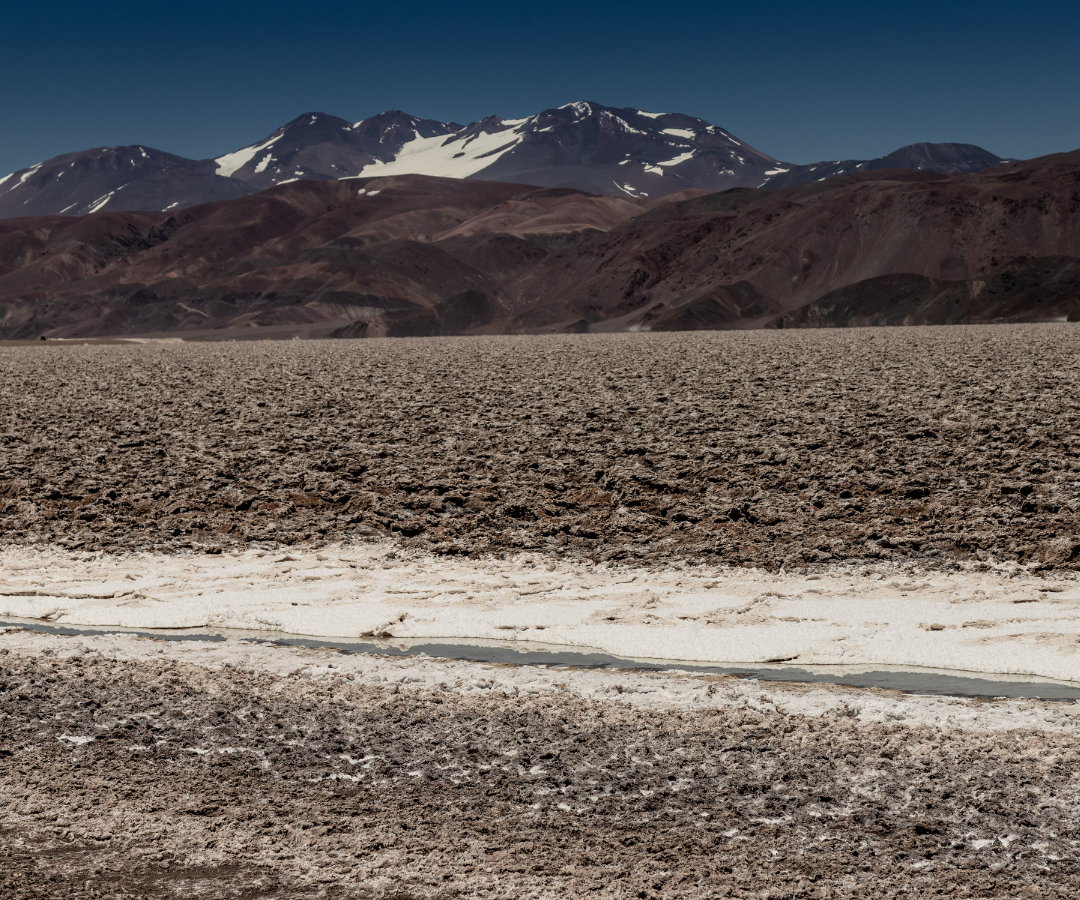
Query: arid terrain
pixel 729 484
pixel 767 449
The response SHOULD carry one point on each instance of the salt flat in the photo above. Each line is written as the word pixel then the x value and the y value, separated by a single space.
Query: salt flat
pixel 867 498
pixel 778 449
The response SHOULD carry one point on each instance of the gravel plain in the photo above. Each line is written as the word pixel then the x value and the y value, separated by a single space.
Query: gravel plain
pixel 746 448
pixel 136 770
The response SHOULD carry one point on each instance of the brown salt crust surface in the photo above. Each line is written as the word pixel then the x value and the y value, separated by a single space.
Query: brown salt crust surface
pixel 141 768
pixel 764 449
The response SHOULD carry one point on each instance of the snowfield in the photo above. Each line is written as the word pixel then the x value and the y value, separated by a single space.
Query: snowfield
pixel 446 156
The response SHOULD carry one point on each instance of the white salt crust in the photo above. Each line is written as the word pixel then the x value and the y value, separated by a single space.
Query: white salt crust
pixel 1002 621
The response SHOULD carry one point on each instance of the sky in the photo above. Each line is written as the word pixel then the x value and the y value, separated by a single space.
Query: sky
pixel 802 82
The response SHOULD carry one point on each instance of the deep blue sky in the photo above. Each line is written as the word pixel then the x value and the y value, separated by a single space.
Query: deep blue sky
pixel 801 81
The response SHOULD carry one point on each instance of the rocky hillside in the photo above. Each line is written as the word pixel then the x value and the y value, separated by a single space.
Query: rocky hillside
pixel 415 255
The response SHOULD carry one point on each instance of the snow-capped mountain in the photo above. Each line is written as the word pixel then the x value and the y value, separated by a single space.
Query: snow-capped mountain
pixel 115 178
pixel 581 145
pixel 584 145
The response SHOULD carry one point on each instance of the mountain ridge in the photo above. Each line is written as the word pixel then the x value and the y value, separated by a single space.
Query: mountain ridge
pixel 582 145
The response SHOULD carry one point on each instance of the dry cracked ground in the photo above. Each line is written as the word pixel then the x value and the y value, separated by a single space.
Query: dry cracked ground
pixel 767 449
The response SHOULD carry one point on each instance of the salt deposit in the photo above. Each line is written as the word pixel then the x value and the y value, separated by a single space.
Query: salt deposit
pixel 998 621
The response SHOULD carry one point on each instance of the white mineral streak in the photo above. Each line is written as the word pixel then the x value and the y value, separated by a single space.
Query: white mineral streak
pixel 998 621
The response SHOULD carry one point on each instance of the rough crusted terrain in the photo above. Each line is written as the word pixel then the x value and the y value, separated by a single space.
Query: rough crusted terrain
pixel 155 772
pixel 156 777
pixel 766 448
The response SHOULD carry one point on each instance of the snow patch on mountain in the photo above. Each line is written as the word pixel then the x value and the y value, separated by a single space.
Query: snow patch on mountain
pixel 101 202
pixel 26 176
pixel 681 158
pixel 581 107
pixel 621 123
pixel 235 161
pixel 447 157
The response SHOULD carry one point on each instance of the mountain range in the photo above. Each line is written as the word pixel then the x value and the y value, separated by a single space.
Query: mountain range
pixel 582 146
pixel 407 254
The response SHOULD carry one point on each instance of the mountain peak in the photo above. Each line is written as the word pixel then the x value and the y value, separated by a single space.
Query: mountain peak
pixel 113 178
pixel 941 157
pixel 312 118
pixel 582 108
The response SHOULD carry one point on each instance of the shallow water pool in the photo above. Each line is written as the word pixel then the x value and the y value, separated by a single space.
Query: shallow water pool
pixel 924 681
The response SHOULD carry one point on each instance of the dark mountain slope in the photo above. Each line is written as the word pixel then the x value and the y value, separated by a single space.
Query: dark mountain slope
pixel 114 178
pixel 301 252
pixel 782 249
pixel 1024 289
pixel 944 158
